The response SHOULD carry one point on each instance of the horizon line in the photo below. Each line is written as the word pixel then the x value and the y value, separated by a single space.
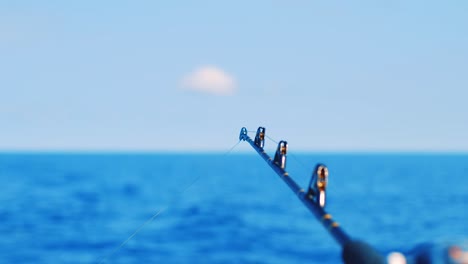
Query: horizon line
pixel 217 151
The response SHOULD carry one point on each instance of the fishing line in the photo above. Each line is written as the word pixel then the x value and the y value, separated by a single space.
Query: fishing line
pixel 274 141
pixel 104 259
pixel 231 149
pixel 155 215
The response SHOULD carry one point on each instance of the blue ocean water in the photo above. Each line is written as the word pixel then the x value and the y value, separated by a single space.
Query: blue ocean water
pixel 78 208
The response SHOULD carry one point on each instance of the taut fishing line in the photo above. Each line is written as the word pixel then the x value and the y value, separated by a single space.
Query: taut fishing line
pixel 104 259
pixel 231 149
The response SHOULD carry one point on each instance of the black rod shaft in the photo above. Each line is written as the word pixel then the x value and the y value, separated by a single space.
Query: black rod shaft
pixel 326 219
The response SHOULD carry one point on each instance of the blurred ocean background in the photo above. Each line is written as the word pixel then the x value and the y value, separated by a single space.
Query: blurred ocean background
pixel 77 208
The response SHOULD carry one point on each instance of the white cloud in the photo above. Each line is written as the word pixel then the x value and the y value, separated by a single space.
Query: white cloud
pixel 210 79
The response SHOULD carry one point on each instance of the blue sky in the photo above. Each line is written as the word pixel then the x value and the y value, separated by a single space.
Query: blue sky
pixel 187 75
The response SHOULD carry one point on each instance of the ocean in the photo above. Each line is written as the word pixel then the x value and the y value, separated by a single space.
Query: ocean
pixel 80 208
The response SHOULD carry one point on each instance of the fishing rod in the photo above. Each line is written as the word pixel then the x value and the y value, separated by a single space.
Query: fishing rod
pixel 314 198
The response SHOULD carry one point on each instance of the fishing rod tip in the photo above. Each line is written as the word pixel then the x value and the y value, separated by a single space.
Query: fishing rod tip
pixel 243 133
